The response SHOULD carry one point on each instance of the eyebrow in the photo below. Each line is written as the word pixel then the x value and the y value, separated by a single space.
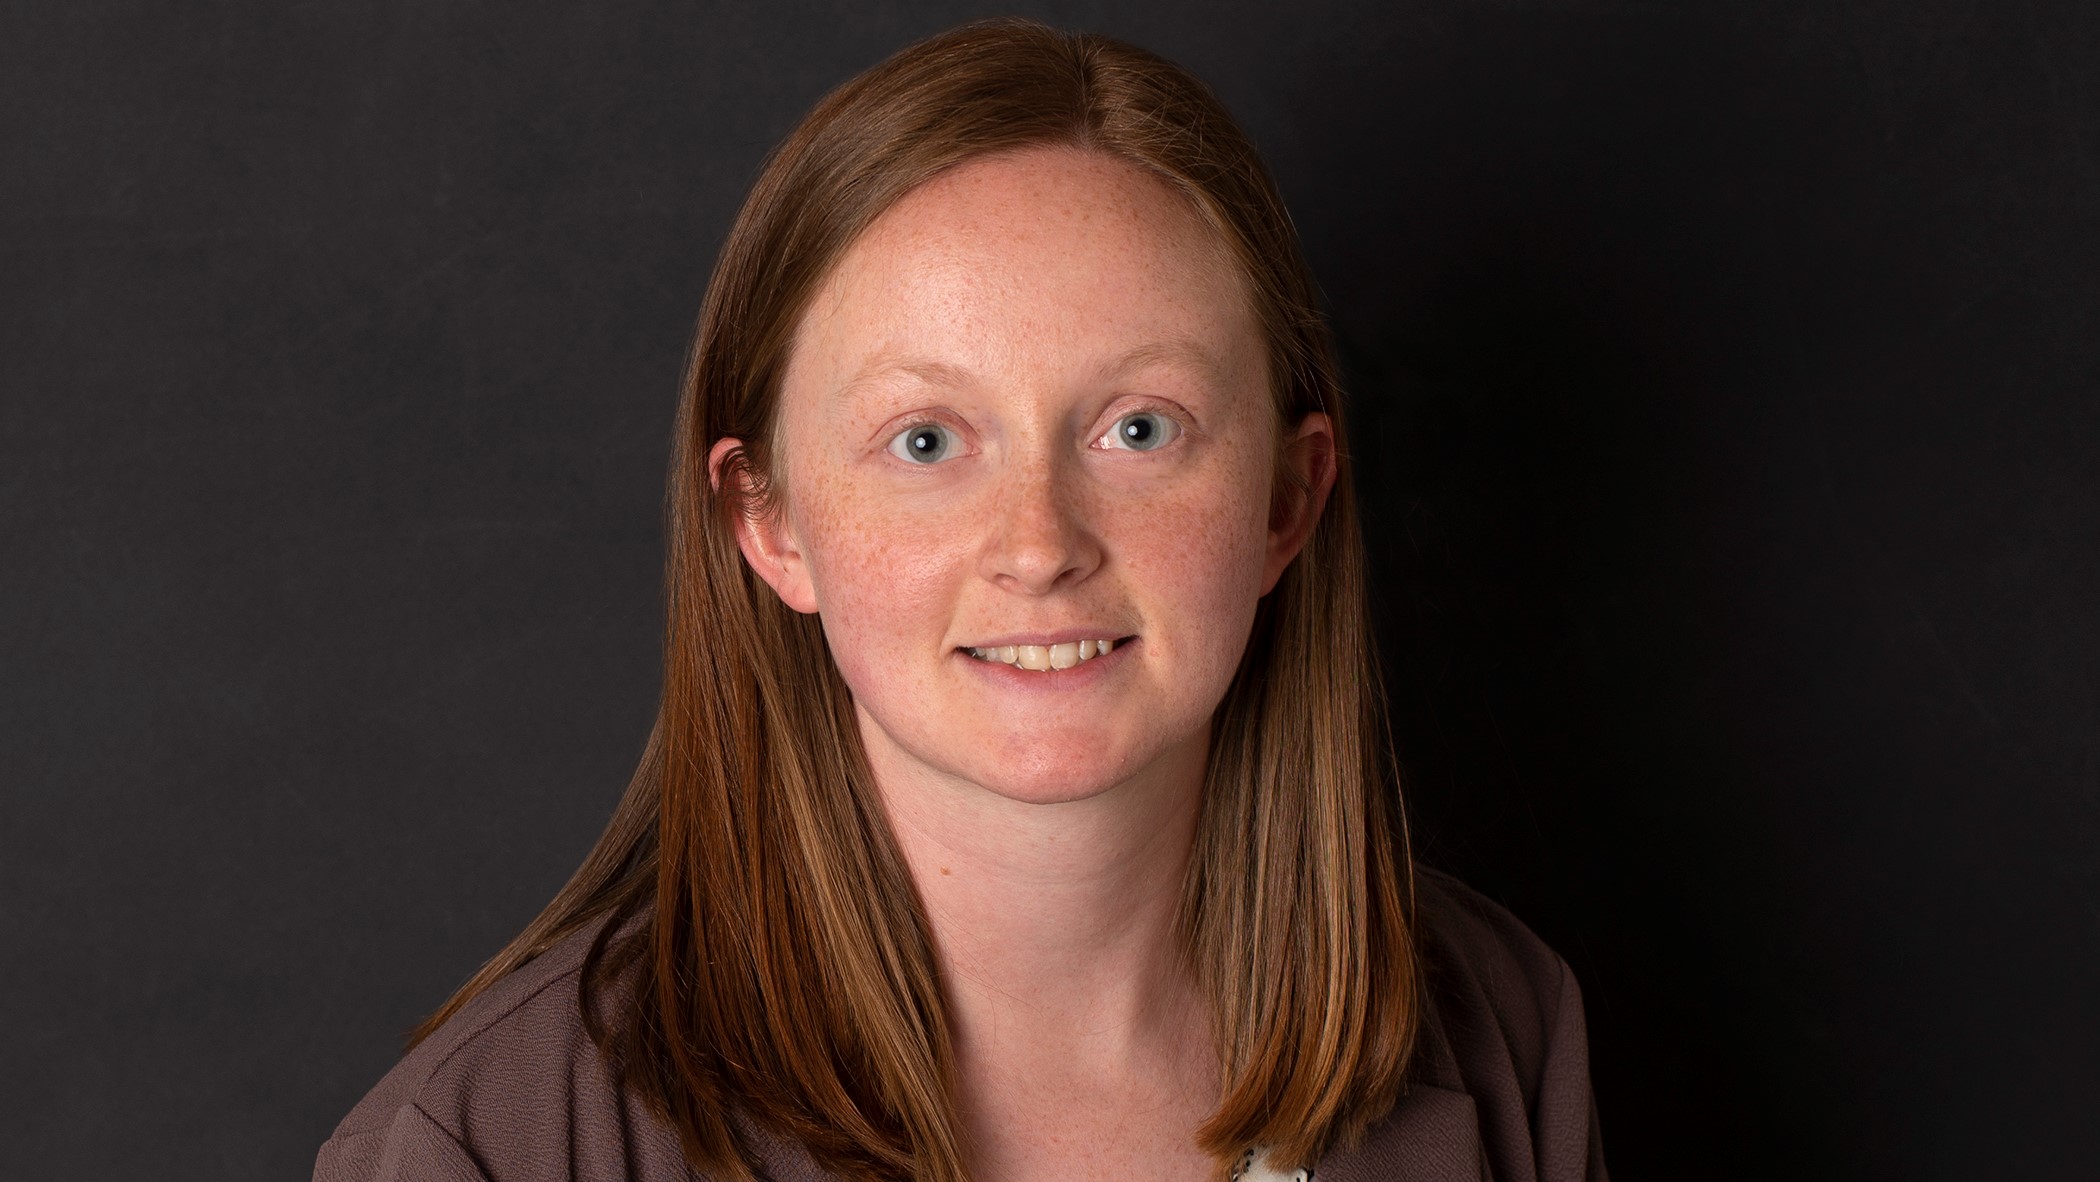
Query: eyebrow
pixel 931 373
pixel 1172 351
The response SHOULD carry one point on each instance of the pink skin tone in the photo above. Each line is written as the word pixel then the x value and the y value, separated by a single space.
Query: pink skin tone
pixel 1027 305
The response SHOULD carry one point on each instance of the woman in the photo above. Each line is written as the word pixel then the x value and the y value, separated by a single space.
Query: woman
pixel 1020 804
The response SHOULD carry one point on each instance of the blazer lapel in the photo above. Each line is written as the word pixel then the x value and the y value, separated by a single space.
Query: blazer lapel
pixel 1431 1135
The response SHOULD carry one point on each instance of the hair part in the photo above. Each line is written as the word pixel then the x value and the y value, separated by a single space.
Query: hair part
pixel 779 974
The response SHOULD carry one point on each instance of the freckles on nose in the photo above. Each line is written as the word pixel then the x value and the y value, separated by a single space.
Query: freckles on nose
pixel 1037 534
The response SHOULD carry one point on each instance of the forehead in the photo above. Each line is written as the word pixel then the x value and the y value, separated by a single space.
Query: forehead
pixel 1045 256
pixel 1046 197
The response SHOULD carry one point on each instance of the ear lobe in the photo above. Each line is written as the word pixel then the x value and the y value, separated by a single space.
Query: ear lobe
pixel 1309 461
pixel 767 542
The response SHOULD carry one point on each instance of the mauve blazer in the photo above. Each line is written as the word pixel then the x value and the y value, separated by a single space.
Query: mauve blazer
pixel 511 1089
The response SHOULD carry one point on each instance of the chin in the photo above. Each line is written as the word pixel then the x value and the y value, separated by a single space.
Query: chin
pixel 1047 787
pixel 1075 767
pixel 1054 764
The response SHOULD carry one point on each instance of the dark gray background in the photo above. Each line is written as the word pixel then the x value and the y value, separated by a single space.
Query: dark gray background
pixel 1725 386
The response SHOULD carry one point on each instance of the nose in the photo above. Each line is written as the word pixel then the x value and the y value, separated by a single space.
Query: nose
pixel 1039 539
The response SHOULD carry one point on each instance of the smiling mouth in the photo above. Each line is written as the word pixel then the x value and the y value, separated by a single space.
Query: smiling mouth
pixel 1045 657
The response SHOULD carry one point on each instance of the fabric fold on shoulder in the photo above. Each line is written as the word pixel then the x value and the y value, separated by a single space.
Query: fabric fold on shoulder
pixel 410 1148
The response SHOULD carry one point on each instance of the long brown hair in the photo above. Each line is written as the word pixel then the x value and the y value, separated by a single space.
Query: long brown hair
pixel 782 971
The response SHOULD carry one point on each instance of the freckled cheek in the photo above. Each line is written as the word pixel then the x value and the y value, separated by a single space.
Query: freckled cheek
pixel 880 582
pixel 1199 559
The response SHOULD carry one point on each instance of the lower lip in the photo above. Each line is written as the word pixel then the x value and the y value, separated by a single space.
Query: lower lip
pixel 1079 676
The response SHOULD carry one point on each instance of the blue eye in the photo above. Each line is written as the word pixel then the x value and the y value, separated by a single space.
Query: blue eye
pixel 926 443
pixel 1143 431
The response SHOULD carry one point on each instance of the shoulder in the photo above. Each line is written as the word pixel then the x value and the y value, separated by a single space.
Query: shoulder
pixel 510 1087
pixel 1496 989
pixel 1499 1085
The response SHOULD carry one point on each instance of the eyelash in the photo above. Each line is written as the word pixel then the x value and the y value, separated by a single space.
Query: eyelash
pixel 1176 428
pixel 906 432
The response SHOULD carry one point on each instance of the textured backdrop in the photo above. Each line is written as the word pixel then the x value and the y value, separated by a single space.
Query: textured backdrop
pixel 1725 379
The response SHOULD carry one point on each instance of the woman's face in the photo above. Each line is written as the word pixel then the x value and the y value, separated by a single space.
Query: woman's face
pixel 1030 410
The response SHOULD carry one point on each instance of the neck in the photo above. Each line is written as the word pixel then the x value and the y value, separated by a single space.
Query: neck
pixel 1056 924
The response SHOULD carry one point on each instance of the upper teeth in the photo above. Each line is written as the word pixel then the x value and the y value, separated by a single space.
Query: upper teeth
pixel 1046 656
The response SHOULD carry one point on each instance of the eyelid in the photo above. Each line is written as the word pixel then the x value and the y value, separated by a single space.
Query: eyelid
pixel 1169 413
pixel 886 438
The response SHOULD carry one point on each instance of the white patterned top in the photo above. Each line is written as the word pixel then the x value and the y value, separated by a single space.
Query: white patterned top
pixel 1255 1167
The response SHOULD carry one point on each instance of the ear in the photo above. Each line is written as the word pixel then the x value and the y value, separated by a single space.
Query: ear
pixel 1309 465
pixel 769 545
